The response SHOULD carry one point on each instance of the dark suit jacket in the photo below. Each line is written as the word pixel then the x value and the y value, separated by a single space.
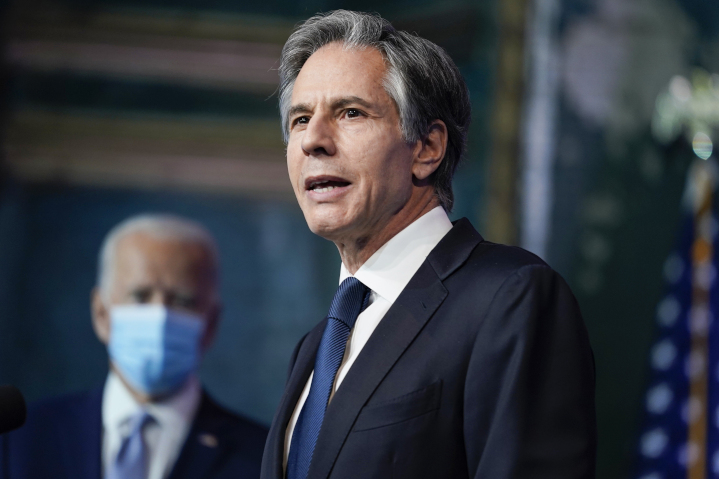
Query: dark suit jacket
pixel 62 439
pixel 482 368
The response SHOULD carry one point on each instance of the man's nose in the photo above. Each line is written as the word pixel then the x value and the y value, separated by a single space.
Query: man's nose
pixel 318 137
pixel 161 297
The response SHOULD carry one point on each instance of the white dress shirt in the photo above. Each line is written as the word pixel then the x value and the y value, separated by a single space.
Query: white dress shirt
pixel 386 273
pixel 164 436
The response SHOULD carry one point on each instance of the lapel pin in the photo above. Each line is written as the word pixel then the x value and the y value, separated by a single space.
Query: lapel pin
pixel 209 440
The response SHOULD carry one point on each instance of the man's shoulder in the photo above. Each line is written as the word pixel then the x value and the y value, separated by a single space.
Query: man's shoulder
pixel 490 265
pixel 475 257
pixel 63 408
pixel 66 401
pixel 53 425
pixel 503 259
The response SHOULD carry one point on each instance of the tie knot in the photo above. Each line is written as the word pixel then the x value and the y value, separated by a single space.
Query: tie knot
pixel 131 458
pixel 139 421
pixel 348 301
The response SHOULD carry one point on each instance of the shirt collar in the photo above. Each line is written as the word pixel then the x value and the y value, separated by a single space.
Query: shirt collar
pixel 390 268
pixel 118 405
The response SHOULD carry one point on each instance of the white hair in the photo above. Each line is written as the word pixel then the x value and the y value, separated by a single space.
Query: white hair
pixel 158 226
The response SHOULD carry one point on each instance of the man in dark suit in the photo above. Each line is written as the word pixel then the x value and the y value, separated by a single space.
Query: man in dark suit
pixel 156 308
pixel 442 355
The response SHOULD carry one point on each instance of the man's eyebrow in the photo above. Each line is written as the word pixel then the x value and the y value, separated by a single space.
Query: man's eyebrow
pixel 351 100
pixel 299 108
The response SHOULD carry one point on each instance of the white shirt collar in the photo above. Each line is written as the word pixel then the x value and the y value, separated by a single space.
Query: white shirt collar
pixel 175 412
pixel 390 268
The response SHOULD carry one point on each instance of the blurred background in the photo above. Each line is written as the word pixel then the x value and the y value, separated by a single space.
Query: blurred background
pixel 579 151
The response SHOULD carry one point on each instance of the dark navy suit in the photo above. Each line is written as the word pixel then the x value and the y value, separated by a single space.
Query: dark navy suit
pixel 480 369
pixel 62 439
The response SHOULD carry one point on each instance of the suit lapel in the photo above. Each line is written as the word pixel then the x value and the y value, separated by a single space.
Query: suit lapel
pixel 301 371
pixel 455 248
pixel 393 335
pixel 205 443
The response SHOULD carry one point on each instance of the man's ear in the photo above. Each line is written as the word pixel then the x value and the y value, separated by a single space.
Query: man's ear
pixel 430 151
pixel 100 316
pixel 213 323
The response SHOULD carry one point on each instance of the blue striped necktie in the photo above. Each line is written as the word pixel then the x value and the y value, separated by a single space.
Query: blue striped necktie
pixel 349 300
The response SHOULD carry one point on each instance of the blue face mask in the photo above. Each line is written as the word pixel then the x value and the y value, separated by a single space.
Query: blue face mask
pixel 155 348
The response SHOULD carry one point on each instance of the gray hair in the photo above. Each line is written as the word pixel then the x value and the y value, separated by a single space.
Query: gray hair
pixel 421 79
pixel 158 226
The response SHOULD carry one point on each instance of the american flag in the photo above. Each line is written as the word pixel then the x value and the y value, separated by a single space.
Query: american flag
pixel 680 434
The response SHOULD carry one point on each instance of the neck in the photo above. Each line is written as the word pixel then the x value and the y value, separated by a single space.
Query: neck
pixel 356 251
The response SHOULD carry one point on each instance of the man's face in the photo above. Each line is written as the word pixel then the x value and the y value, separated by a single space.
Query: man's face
pixel 349 166
pixel 147 270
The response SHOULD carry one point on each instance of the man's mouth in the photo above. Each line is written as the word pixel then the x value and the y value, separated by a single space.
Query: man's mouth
pixel 325 184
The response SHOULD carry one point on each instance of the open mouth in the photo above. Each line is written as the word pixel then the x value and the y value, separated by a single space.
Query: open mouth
pixel 324 184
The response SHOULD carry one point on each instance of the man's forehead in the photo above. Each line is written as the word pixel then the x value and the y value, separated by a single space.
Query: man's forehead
pixel 147 247
pixel 338 53
pixel 334 72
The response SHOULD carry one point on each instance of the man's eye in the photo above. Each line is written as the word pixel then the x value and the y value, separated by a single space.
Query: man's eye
pixel 141 296
pixel 353 113
pixel 183 301
pixel 303 120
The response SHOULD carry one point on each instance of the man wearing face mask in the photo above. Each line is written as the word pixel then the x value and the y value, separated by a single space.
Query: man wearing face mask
pixel 156 308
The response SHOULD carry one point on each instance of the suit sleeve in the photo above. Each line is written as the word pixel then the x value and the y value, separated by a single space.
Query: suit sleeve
pixel 537 419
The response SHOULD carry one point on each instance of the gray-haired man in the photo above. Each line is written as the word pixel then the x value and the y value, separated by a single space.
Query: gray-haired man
pixel 156 308
pixel 442 355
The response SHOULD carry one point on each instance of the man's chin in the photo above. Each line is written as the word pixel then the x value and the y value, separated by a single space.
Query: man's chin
pixel 329 230
pixel 325 230
pixel 140 396
pixel 327 221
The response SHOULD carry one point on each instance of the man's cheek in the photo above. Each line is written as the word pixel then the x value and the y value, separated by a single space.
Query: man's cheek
pixel 293 172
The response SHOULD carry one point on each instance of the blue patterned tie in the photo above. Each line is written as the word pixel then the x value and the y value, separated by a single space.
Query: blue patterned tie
pixel 347 304
pixel 131 460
